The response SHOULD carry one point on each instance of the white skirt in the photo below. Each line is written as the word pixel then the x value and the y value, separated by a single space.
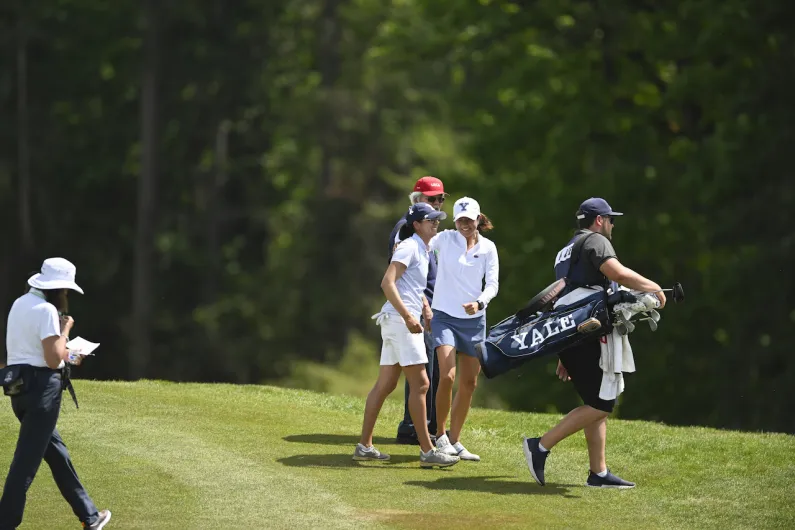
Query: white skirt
pixel 400 346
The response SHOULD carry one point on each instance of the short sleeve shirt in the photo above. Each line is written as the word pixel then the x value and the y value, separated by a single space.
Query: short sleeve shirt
pixel 413 253
pixel 30 321
pixel 595 251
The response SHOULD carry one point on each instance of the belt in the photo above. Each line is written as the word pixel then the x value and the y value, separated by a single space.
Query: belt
pixel 42 369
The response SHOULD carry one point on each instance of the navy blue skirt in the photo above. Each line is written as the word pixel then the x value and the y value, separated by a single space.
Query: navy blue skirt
pixel 461 333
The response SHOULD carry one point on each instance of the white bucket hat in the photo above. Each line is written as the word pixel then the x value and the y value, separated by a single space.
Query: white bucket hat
pixel 56 273
pixel 466 207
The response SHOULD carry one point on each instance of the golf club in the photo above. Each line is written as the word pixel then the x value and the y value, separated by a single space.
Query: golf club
pixel 679 293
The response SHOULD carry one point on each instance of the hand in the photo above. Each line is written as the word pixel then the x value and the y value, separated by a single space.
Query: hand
pixel 661 297
pixel 76 360
pixel 413 324
pixel 471 308
pixel 427 316
pixel 562 373
pixel 66 324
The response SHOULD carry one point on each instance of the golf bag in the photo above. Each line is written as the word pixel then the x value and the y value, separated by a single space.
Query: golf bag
pixel 520 337
pixel 552 329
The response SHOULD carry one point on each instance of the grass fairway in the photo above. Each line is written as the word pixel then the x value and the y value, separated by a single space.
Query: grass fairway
pixel 189 456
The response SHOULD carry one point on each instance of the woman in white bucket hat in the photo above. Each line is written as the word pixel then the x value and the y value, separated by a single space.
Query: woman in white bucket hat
pixel 34 378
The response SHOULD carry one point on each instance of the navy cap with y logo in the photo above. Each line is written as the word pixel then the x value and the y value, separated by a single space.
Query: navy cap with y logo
pixel 594 207
pixel 422 211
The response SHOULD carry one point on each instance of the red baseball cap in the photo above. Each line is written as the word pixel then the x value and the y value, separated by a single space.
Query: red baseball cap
pixel 429 186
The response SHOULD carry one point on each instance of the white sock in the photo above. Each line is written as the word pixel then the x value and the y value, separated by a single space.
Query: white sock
pixel 603 474
pixel 543 449
pixel 428 453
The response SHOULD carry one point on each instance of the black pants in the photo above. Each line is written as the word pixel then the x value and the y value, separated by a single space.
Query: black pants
pixel 406 427
pixel 37 411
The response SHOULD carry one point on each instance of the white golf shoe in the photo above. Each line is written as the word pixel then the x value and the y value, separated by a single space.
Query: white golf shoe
pixel 456 449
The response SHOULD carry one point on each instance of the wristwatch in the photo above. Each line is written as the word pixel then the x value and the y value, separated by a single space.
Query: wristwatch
pixel 481 305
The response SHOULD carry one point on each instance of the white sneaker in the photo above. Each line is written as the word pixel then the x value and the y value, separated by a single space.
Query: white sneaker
pixel 435 457
pixel 443 444
pixel 463 454
pixel 363 453
pixel 456 449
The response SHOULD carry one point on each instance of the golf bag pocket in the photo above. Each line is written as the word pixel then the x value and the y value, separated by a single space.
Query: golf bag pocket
pixel 14 379
pixel 514 341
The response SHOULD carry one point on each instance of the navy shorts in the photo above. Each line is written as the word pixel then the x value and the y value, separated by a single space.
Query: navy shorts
pixel 461 333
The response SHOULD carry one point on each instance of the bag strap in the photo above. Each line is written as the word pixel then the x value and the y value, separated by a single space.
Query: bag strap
pixel 576 251
pixel 66 383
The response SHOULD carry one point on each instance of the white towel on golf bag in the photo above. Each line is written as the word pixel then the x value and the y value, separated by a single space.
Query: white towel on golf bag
pixel 616 360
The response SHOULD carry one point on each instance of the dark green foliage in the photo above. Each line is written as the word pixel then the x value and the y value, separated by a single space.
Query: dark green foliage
pixel 290 133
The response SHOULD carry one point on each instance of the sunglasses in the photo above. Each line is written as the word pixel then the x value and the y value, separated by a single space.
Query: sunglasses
pixel 612 219
pixel 435 198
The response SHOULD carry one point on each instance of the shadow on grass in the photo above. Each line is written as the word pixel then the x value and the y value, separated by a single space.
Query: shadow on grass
pixel 345 460
pixel 335 439
pixel 494 485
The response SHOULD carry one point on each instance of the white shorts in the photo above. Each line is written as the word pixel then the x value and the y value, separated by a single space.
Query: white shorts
pixel 400 346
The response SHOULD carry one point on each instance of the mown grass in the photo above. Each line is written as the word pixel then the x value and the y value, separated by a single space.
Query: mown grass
pixel 191 456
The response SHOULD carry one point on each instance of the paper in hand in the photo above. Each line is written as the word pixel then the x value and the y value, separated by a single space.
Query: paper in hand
pixel 80 346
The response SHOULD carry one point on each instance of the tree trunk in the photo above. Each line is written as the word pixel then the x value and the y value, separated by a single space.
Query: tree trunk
pixel 23 139
pixel 141 343
pixel 214 210
pixel 329 66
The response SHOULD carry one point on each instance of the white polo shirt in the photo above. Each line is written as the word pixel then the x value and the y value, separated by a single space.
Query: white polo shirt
pixel 461 274
pixel 31 320
pixel 413 253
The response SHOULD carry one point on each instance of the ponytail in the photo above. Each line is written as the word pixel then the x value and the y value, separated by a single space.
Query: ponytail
pixel 484 223
pixel 406 231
